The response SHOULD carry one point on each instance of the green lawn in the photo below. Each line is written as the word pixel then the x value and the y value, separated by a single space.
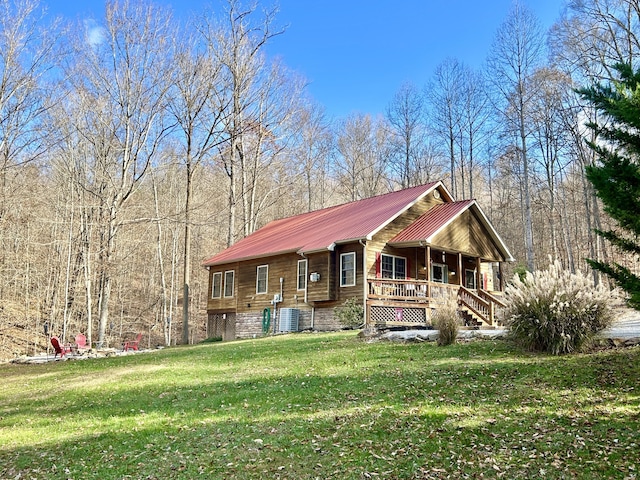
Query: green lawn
pixel 310 406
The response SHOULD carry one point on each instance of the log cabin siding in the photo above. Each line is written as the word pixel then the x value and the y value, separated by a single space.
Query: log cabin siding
pixel 324 289
pixel 278 266
pixel 327 292
pixel 479 239
pixel 455 237
pixel 356 291
pixel 379 241
pixel 223 304
pixel 466 235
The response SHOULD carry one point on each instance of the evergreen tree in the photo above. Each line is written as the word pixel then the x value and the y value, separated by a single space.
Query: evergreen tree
pixel 616 177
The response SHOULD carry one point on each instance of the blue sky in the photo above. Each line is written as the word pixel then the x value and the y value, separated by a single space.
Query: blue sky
pixel 357 53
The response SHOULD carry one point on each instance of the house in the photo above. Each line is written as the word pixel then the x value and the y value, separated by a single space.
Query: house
pixel 399 254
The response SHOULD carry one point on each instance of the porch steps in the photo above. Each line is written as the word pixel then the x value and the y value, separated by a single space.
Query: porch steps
pixel 470 320
pixel 478 308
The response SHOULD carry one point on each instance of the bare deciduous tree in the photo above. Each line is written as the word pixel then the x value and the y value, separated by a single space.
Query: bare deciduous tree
pixel 120 75
pixel 406 115
pixel 444 94
pixel 363 150
pixel 515 54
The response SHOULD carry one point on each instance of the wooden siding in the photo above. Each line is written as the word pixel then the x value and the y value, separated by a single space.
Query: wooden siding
pixel 481 240
pixel 356 291
pixel 281 266
pixel 380 239
pixel 467 235
pixel 326 291
pixel 324 288
pixel 223 304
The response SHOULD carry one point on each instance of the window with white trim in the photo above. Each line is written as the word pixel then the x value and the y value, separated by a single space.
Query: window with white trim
pixel 348 269
pixel 216 285
pixel 262 274
pixel 393 267
pixel 228 283
pixel 439 273
pixel 302 274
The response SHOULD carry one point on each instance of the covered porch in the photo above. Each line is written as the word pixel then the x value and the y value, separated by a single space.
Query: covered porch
pixel 406 293
pixel 451 251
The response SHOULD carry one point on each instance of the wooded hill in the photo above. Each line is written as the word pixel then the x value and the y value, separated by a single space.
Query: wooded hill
pixel 130 154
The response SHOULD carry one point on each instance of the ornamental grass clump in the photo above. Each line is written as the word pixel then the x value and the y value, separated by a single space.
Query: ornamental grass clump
pixel 556 311
pixel 447 320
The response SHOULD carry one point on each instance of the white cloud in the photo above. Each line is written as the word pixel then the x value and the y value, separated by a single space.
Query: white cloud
pixel 95 34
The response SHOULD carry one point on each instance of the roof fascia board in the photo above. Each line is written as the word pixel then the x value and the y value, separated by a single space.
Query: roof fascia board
pixel 446 191
pixel 252 257
pixel 496 237
pixel 333 246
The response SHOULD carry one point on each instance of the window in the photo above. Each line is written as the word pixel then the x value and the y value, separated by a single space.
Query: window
pixel 261 279
pixel 348 269
pixel 216 284
pixel 302 274
pixel 393 267
pixel 228 283
pixel 439 273
pixel 470 279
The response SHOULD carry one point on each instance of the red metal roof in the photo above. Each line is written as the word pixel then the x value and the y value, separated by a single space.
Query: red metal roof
pixel 431 222
pixel 436 219
pixel 321 229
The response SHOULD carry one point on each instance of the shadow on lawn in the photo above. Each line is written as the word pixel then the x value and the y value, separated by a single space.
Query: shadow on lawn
pixel 404 410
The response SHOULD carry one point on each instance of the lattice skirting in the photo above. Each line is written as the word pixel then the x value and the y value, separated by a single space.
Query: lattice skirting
pixel 381 315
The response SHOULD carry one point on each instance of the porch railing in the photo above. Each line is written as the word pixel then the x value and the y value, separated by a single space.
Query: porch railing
pixel 410 290
pixel 480 307
pixel 479 302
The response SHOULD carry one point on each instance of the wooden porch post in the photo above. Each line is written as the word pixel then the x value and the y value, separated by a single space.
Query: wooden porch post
pixel 427 262
pixel 460 272
pixel 479 285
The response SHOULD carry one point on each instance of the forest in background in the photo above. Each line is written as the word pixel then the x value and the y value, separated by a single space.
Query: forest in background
pixel 132 151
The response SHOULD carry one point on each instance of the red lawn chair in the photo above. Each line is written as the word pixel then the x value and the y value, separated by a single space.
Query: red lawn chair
pixel 132 344
pixel 81 343
pixel 60 349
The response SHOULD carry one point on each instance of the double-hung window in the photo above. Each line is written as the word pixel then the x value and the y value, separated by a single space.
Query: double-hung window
pixel 262 274
pixel 393 267
pixel 216 285
pixel 348 269
pixel 302 274
pixel 228 283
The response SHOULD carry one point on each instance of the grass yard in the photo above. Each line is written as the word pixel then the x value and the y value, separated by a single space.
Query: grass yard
pixel 324 406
